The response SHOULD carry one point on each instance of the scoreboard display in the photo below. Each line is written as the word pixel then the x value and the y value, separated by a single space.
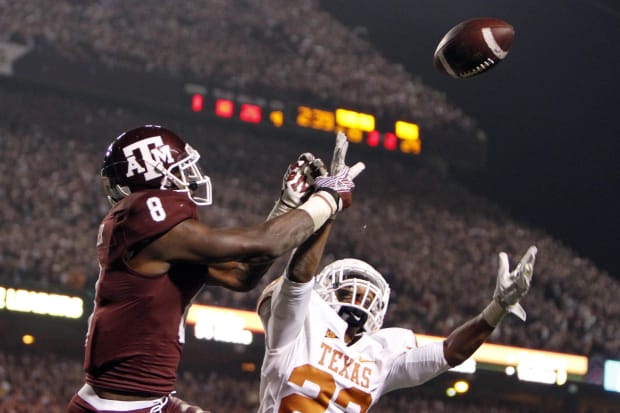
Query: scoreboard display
pixel 360 127
pixel 457 145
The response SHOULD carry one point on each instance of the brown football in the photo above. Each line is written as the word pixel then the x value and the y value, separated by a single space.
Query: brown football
pixel 473 47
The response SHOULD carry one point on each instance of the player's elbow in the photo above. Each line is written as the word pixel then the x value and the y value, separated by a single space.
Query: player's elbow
pixel 453 355
pixel 248 283
pixel 252 273
pixel 238 276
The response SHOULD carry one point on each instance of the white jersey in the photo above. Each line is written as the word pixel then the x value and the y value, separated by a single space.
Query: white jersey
pixel 308 367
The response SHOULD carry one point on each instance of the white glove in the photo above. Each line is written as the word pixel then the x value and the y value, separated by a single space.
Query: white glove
pixel 512 286
pixel 333 191
pixel 340 179
pixel 298 183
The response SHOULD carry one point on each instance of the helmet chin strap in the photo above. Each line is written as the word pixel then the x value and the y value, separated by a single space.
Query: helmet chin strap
pixel 353 316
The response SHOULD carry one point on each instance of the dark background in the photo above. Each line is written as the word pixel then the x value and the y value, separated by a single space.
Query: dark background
pixel 551 110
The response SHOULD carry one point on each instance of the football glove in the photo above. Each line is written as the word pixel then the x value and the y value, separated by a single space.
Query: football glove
pixel 333 192
pixel 512 286
pixel 298 183
pixel 340 178
pixel 298 180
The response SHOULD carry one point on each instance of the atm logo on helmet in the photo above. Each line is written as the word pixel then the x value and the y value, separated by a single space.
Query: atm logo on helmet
pixel 151 151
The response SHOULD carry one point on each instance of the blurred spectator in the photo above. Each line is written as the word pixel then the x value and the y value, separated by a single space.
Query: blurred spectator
pixel 415 230
pixel 273 47
pixel 418 231
pixel 42 383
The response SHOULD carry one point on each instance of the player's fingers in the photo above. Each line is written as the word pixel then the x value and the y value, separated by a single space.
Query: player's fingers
pixel 356 169
pixel 527 262
pixel 306 157
pixel 530 255
pixel 503 263
pixel 522 280
pixel 342 144
pixel 317 168
pixel 340 153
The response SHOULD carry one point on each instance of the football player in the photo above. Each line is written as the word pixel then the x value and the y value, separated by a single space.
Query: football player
pixel 155 255
pixel 326 350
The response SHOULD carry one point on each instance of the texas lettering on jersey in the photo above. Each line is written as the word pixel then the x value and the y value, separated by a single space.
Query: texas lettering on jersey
pixel 345 366
pixel 309 368
pixel 319 373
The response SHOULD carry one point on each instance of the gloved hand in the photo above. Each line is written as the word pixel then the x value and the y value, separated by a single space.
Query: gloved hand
pixel 298 183
pixel 340 179
pixel 298 180
pixel 333 192
pixel 512 286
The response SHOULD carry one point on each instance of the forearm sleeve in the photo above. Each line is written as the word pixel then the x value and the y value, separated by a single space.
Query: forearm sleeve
pixel 417 366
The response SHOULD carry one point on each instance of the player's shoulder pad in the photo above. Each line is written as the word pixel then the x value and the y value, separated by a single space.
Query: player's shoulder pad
pixel 157 202
pixel 147 213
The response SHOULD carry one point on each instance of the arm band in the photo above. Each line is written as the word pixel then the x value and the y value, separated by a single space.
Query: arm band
pixel 493 313
pixel 321 206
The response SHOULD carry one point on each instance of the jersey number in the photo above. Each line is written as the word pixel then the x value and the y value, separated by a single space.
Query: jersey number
pixel 156 209
pixel 323 387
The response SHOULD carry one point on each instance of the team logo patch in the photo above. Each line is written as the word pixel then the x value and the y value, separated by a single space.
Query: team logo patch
pixel 152 151
pixel 330 334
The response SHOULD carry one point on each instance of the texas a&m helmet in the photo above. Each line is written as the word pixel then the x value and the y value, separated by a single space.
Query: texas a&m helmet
pixel 153 157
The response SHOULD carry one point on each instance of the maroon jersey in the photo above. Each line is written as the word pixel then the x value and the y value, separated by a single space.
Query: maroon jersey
pixel 136 331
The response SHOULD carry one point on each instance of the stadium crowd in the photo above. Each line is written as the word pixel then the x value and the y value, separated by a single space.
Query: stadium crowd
pixel 435 242
pixel 42 383
pixel 269 46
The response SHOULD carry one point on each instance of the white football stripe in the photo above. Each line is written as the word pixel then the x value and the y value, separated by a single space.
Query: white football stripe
pixel 487 34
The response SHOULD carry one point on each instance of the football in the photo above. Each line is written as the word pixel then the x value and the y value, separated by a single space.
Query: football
pixel 473 47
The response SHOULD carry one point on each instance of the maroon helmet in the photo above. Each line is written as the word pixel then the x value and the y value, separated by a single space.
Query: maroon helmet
pixel 152 157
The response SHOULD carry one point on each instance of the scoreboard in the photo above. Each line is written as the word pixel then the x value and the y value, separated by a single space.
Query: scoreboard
pixel 360 127
pixel 456 144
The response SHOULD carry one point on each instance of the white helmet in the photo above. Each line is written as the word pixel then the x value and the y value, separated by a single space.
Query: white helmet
pixel 339 285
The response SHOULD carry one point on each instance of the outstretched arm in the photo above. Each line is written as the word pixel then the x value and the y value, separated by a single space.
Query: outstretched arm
pixel 304 263
pixel 245 275
pixel 465 340
pixel 510 288
pixel 193 242
pixel 287 229
pixel 284 305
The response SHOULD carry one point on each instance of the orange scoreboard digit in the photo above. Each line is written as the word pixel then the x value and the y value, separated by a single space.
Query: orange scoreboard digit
pixel 359 126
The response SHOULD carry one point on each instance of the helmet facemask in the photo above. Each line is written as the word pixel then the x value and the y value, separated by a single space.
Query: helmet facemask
pixel 185 176
pixel 356 291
